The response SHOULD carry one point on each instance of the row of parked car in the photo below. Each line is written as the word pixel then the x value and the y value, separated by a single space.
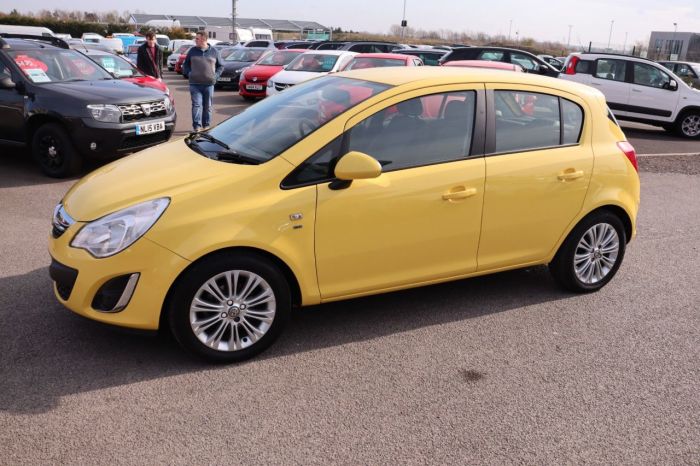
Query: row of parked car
pixel 636 89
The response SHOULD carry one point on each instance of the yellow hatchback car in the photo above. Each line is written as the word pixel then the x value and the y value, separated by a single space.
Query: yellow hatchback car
pixel 348 185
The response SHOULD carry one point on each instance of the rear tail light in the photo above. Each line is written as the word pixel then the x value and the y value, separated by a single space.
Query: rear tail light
pixel 571 66
pixel 629 152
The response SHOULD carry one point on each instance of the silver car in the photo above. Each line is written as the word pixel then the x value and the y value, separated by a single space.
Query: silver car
pixel 689 72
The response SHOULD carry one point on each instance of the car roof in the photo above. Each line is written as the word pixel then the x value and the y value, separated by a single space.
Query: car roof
pixel 327 52
pixel 680 62
pixel 395 56
pixel 422 76
pixel 28 42
pixel 417 51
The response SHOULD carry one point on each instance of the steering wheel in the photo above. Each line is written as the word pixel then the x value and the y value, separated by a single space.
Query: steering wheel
pixel 306 126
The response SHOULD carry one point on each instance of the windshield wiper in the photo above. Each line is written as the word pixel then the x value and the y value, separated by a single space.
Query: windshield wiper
pixel 226 155
pixel 210 138
pixel 231 155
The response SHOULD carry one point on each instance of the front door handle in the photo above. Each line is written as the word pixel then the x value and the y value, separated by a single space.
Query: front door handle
pixel 459 192
pixel 636 90
pixel 570 174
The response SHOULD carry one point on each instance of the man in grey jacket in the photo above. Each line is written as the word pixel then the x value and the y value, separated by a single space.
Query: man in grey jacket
pixel 202 66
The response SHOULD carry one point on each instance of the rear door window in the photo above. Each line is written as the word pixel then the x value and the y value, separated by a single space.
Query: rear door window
pixel 614 70
pixel 530 120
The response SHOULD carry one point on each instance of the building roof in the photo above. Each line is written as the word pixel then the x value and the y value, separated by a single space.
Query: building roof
pixel 282 25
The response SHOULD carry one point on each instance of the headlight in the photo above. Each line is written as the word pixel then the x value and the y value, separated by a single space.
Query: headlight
pixel 167 102
pixel 117 231
pixel 106 113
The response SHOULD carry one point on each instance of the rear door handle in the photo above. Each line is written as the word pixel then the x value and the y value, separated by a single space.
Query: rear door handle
pixel 570 174
pixel 636 90
pixel 459 192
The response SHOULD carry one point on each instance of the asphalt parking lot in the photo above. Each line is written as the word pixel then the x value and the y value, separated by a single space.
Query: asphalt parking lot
pixel 501 369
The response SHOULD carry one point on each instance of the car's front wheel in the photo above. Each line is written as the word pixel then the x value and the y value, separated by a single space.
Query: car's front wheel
pixel 229 307
pixel 54 151
pixel 591 254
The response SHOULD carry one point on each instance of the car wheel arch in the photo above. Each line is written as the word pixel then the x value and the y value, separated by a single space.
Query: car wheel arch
pixel 37 121
pixel 286 271
pixel 616 210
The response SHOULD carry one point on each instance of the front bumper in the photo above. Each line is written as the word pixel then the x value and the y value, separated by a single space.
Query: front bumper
pixel 244 90
pixel 78 278
pixel 112 139
pixel 233 79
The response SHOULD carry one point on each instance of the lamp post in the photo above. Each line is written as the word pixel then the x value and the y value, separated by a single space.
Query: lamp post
pixel 568 41
pixel 673 42
pixel 234 37
pixel 403 20
pixel 510 26
pixel 610 36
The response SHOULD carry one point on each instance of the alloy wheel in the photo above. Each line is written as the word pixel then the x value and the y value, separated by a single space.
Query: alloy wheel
pixel 232 310
pixel 596 253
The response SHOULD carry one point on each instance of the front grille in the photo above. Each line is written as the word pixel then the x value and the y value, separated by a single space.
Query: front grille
pixel 281 86
pixel 60 221
pixel 134 142
pixel 143 110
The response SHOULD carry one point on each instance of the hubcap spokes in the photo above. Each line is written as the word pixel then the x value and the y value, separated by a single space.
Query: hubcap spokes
pixel 50 151
pixel 691 125
pixel 596 253
pixel 232 310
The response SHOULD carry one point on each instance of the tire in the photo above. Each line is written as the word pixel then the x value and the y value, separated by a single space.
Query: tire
pixel 688 124
pixel 225 332
pixel 599 241
pixel 53 150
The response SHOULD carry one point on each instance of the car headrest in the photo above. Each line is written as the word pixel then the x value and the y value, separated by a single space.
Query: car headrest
pixel 412 107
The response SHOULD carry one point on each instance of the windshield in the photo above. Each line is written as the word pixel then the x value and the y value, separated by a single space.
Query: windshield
pixel 117 66
pixel 314 62
pixel 57 65
pixel 280 58
pixel 183 48
pixel 163 41
pixel 359 63
pixel 275 124
pixel 245 55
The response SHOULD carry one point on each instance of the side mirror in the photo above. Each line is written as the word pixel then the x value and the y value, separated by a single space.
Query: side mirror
pixel 6 82
pixel 542 69
pixel 673 85
pixel 357 166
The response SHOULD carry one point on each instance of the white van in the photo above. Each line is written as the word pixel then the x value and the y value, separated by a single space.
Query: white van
pixel 260 33
pixel 29 30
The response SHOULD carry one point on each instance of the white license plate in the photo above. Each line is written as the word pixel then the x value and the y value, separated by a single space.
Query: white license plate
pixel 225 80
pixel 148 128
pixel 254 87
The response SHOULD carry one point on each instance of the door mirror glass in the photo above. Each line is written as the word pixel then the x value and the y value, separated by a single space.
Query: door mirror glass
pixel 6 82
pixel 357 166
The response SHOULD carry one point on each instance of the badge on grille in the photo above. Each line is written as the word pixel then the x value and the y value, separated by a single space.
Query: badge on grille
pixel 255 79
pixel 146 109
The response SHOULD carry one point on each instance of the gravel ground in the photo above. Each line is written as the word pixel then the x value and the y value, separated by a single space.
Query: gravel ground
pixel 685 164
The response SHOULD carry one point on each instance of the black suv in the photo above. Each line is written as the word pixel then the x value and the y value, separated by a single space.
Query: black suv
pixel 65 107
pixel 529 62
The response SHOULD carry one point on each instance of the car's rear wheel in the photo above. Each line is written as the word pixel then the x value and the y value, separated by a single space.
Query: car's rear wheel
pixel 592 253
pixel 229 307
pixel 54 152
pixel 688 124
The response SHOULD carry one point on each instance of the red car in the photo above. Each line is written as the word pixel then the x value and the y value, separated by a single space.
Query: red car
pixel 180 61
pixel 377 60
pixel 124 69
pixel 253 82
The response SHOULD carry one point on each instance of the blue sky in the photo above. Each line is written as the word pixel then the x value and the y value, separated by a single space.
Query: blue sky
pixel 540 19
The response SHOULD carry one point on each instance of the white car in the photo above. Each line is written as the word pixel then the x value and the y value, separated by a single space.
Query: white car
pixel 639 90
pixel 306 66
